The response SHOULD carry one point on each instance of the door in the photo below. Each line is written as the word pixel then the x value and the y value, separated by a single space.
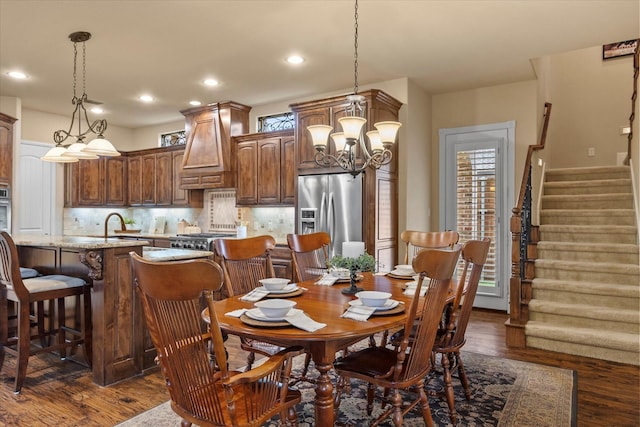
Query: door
pixel 476 195
pixel 344 210
pixel 35 193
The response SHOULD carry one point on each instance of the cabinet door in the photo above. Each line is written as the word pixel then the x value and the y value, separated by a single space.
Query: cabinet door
pixel 116 181
pixel 6 148
pixel 164 178
pixel 288 171
pixel 91 182
pixel 134 167
pixel 247 177
pixel 305 150
pixel 269 171
pixel 179 196
pixel 149 179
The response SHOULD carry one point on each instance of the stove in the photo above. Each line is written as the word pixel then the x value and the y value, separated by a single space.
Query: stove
pixel 198 241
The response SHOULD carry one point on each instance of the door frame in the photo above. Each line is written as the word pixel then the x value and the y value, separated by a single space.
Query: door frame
pixel 505 174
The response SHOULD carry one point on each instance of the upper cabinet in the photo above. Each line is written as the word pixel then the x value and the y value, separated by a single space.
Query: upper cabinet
pixel 379 107
pixel 265 169
pixel 138 178
pixel 209 158
pixel 6 148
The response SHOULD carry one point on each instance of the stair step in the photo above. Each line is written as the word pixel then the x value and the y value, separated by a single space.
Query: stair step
pixel 623 234
pixel 588 216
pixel 587 174
pixel 611 295
pixel 623 274
pixel 585 316
pixel 595 186
pixel 602 252
pixel 592 201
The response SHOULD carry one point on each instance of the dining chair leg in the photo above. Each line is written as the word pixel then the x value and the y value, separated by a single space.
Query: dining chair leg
pixel 23 347
pixel 463 376
pixel 424 405
pixel 448 386
pixel 396 416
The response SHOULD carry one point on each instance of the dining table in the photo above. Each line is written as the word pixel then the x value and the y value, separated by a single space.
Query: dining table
pixel 324 304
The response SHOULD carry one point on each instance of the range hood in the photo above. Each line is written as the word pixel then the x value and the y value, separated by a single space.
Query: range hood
pixel 209 156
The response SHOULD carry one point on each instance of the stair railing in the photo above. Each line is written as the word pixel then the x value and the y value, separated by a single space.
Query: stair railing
pixel 634 96
pixel 520 228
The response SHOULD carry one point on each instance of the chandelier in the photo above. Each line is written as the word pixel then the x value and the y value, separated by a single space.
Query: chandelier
pixel 376 154
pixel 79 150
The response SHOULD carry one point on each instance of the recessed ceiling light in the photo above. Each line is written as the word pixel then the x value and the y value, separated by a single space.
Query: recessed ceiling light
pixel 211 82
pixel 17 75
pixel 146 98
pixel 97 110
pixel 295 59
pixel 195 103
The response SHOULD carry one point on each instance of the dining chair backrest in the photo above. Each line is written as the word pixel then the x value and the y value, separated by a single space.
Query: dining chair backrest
pixel 310 253
pixel 245 262
pixel 435 268
pixel 416 240
pixel 172 298
pixel 474 255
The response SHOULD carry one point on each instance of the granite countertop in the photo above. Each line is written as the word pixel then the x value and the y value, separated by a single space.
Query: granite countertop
pixel 165 254
pixel 81 242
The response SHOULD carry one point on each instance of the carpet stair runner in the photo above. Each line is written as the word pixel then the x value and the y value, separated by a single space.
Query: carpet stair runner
pixel 586 291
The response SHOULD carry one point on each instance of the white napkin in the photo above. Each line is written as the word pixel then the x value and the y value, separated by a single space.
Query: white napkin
pixel 411 289
pixel 255 295
pixel 327 280
pixel 304 322
pixel 236 313
pixel 358 312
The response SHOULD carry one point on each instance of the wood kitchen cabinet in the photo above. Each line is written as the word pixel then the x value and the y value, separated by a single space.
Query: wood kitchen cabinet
pixel 265 169
pixel 98 182
pixel 380 187
pixel 282 262
pixel 6 148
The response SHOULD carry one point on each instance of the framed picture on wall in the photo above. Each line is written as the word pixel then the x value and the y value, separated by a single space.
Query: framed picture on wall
pixel 615 50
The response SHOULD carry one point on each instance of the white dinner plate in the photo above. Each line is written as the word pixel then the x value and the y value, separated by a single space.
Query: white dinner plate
pixel 289 288
pixel 256 314
pixel 396 273
pixel 387 305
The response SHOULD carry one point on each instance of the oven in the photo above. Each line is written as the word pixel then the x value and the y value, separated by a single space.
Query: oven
pixel 5 209
pixel 199 241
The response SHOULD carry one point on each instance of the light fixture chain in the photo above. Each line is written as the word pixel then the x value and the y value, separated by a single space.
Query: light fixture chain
pixel 84 68
pixel 355 51
pixel 75 60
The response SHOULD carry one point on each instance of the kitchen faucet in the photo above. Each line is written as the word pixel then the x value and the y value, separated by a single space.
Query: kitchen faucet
pixel 106 223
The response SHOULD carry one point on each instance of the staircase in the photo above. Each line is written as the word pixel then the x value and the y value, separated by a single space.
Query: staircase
pixel 586 291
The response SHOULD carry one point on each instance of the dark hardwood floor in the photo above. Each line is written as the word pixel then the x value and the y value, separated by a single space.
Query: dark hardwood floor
pixel 62 394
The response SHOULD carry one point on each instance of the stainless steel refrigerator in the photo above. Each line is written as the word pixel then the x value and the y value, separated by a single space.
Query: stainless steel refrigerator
pixel 331 203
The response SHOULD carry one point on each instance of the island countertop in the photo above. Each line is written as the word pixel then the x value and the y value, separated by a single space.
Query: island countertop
pixel 172 254
pixel 79 242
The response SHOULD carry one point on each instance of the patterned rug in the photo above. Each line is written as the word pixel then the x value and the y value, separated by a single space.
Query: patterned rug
pixel 503 393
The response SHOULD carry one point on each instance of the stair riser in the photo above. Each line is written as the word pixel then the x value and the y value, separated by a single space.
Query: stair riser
pixel 587 203
pixel 612 355
pixel 583 256
pixel 577 219
pixel 554 190
pixel 558 320
pixel 553 236
pixel 586 299
pixel 589 276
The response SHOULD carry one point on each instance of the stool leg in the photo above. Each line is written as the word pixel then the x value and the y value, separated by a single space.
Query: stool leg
pixel 24 344
pixel 87 326
pixel 61 328
pixel 4 325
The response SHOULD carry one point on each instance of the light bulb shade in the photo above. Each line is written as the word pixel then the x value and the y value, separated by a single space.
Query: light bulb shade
pixel 77 150
pixel 388 131
pixel 375 141
pixel 352 126
pixel 101 147
pixel 319 135
pixel 339 140
pixel 55 155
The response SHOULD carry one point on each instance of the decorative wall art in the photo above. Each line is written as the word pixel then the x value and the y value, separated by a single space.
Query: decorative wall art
pixel 615 50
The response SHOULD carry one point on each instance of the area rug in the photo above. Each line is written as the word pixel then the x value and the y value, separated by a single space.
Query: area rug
pixel 503 393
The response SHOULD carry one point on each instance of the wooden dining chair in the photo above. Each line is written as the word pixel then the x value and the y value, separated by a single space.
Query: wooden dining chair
pixel 407 366
pixel 452 338
pixel 416 240
pixel 244 262
pixel 202 392
pixel 310 253
pixel 31 294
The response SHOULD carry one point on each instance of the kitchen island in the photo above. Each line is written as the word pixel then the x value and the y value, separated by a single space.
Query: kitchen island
pixel 121 344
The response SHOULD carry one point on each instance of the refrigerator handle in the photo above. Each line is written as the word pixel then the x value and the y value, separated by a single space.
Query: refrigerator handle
pixel 323 213
pixel 330 215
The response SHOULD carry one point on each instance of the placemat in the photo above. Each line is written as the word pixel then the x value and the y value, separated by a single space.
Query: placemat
pixel 395 310
pixel 293 293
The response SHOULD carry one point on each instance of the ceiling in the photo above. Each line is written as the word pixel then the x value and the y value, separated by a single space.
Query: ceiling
pixel 166 48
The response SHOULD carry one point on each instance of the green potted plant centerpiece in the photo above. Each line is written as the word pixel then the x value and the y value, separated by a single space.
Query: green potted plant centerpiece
pixel 364 262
